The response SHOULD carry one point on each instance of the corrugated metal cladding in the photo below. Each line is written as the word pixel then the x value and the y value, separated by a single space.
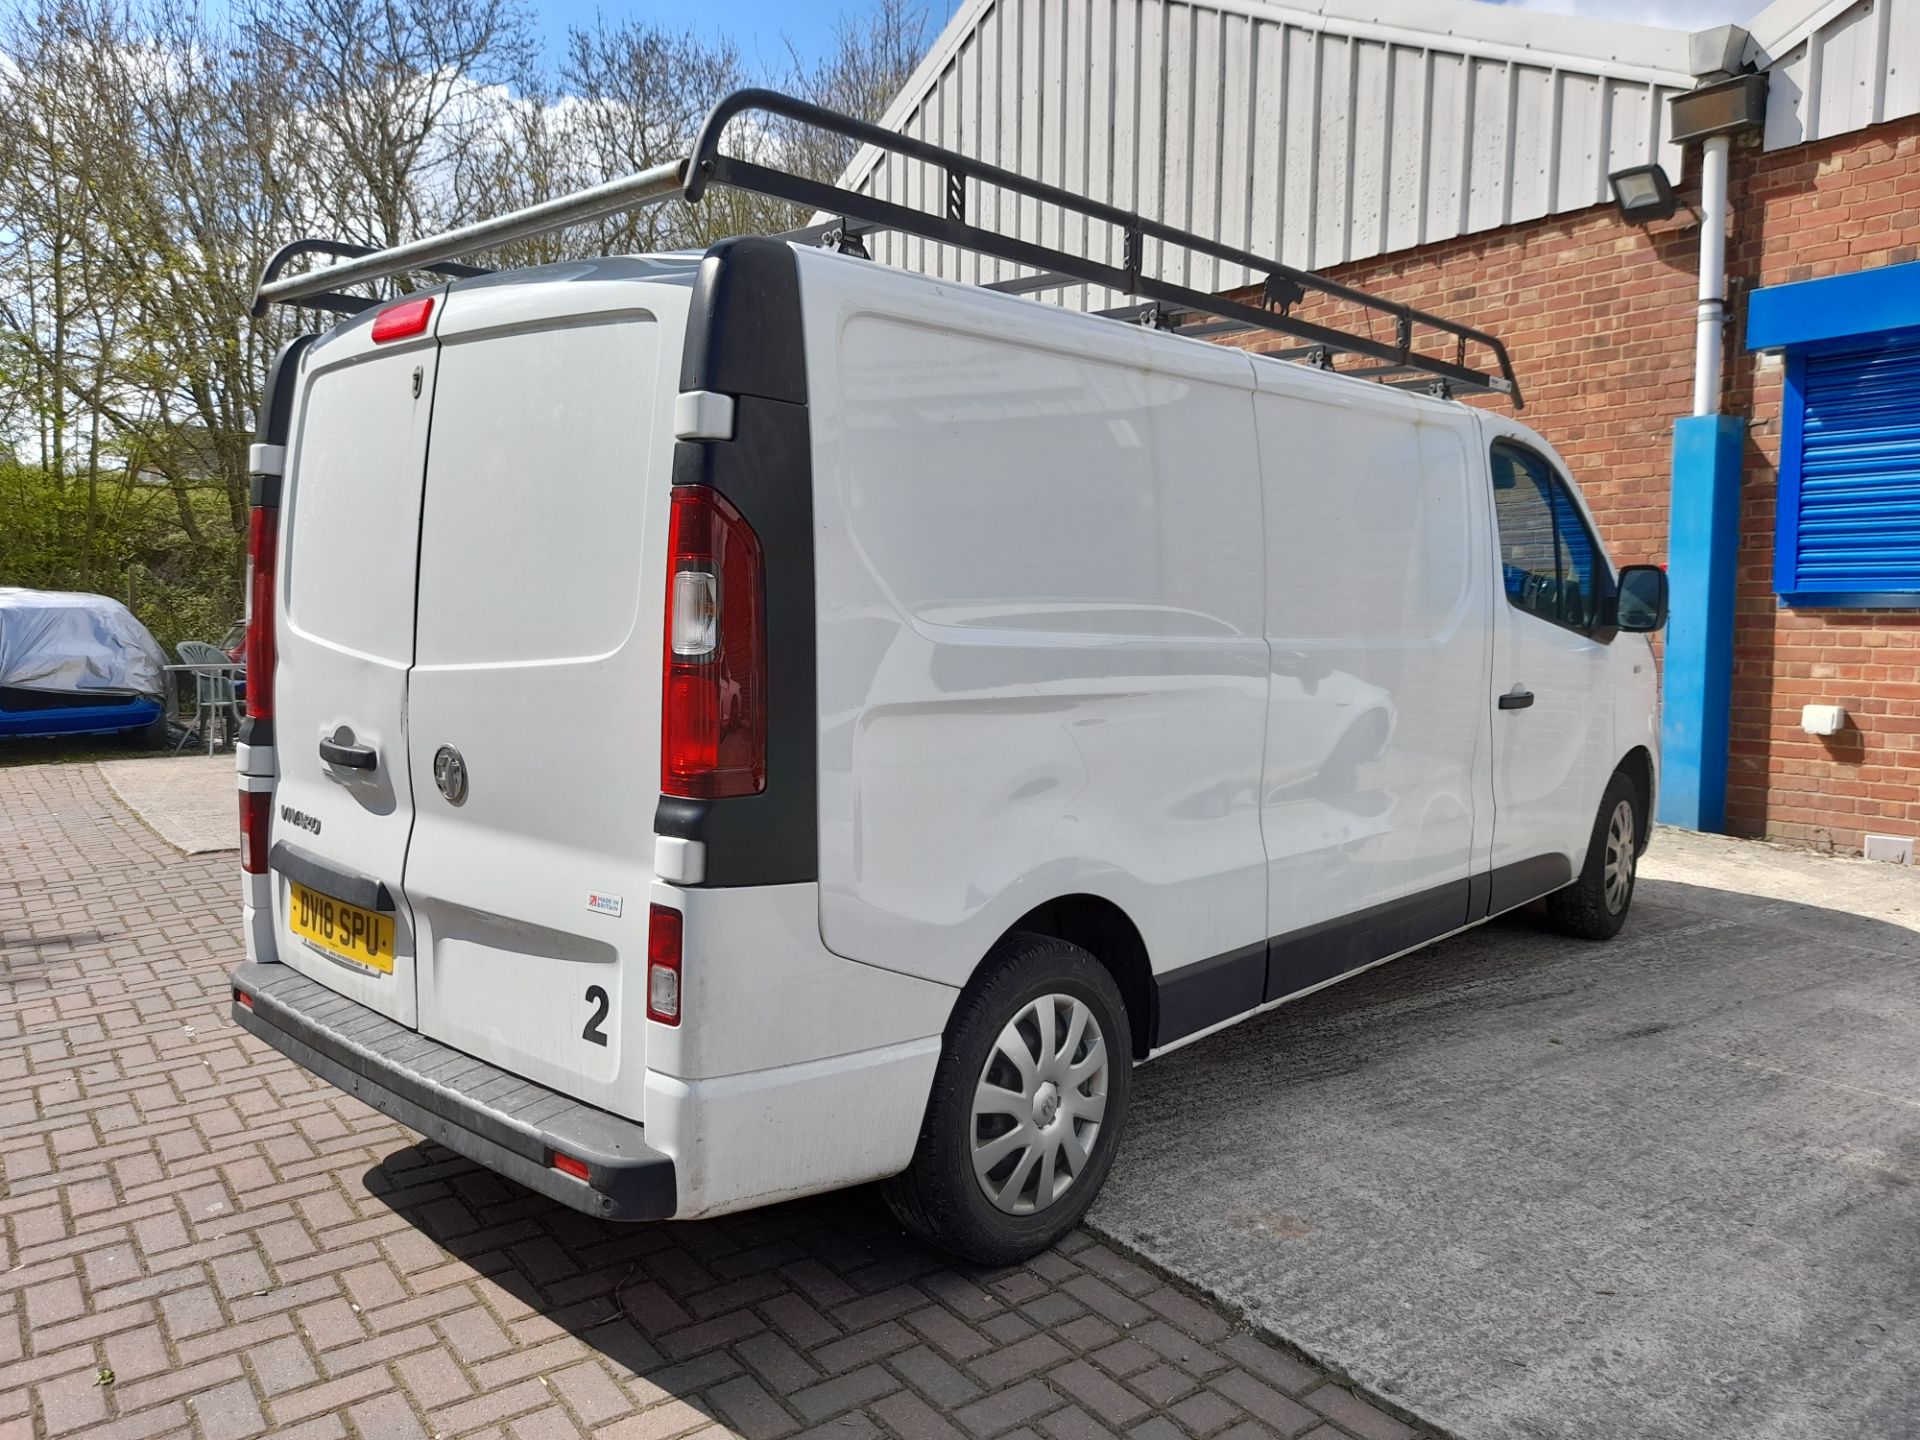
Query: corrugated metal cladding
pixel 1837 67
pixel 1860 471
pixel 1302 135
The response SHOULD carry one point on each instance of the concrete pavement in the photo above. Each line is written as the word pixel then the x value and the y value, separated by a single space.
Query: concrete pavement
pixel 187 800
pixel 1527 1186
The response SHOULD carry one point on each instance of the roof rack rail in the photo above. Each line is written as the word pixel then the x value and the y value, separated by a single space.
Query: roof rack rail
pixel 1167 305
pixel 341 249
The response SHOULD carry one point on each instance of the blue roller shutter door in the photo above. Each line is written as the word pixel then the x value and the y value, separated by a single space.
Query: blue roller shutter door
pixel 1858 516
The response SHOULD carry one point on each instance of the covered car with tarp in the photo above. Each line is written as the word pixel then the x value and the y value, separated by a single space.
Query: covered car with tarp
pixel 74 664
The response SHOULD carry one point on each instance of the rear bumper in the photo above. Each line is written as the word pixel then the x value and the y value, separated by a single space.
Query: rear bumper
pixel 508 1124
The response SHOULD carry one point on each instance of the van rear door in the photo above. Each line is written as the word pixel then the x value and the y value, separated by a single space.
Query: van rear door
pixel 542 566
pixel 351 517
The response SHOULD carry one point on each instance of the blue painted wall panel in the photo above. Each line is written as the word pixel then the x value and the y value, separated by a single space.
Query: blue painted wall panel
pixel 1702 558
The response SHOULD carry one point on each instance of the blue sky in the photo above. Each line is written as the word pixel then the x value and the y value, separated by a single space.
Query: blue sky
pixel 762 28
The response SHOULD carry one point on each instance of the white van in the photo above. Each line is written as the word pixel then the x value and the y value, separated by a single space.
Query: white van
pixel 727 727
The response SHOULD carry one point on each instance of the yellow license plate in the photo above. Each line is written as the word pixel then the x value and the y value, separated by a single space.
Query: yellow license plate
pixel 346 932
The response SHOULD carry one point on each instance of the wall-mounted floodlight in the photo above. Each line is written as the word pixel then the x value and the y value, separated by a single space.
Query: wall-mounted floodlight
pixel 1643 193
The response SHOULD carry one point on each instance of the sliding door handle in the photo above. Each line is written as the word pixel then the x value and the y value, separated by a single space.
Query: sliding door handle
pixel 1516 699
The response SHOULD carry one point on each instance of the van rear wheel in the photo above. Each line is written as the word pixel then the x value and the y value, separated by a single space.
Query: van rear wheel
pixel 1595 906
pixel 1027 1105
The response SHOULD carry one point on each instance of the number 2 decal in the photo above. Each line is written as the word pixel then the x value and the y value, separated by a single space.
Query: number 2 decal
pixel 597 998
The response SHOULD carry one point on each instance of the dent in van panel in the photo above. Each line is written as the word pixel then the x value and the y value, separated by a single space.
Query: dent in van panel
pixel 1042 667
pixel 1379 635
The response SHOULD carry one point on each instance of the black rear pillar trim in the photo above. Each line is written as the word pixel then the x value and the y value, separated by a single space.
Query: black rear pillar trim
pixel 744 339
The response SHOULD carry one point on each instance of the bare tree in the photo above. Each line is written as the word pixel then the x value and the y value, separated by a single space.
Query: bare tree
pixel 389 101
pixel 871 58
pixel 153 154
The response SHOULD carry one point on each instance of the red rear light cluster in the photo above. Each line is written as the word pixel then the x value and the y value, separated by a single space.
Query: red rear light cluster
pixel 400 322
pixel 713 720
pixel 256 810
pixel 263 535
pixel 664 930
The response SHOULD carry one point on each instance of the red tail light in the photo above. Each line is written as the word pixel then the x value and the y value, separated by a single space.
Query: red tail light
pixel 397 322
pixel 263 535
pixel 664 928
pixel 713 711
pixel 256 811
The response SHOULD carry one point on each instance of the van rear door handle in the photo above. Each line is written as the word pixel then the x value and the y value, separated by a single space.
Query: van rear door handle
pixel 353 757
pixel 1516 699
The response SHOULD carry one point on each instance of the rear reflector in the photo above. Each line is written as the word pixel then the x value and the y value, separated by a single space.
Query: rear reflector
pixel 713 698
pixel 664 929
pixel 263 534
pixel 397 322
pixel 256 810
pixel 243 1000
pixel 567 1165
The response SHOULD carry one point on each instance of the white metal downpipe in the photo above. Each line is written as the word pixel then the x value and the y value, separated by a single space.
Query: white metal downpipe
pixel 1710 327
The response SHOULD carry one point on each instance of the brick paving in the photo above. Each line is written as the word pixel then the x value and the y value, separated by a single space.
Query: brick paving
pixel 202 1240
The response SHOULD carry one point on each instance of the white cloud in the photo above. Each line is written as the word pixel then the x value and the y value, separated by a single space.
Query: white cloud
pixel 1673 14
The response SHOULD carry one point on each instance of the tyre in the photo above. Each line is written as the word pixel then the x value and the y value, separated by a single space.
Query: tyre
pixel 1595 906
pixel 1027 1106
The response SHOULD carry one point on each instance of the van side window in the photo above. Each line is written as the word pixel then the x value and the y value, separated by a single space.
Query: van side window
pixel 1549 562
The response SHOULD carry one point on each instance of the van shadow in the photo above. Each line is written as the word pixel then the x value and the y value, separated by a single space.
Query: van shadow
pixel 802 1296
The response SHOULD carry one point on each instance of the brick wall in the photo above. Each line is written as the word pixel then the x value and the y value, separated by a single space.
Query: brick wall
pixel 1598 317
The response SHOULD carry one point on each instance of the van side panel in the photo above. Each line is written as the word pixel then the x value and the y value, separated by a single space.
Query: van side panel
pixel 1041 588
pixel 1377 777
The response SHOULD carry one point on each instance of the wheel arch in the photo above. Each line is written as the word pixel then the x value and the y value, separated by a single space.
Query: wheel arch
pixel 1637 766
pixel 1105 931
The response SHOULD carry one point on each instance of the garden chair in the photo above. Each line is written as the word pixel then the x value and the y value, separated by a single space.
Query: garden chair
pixel 214 696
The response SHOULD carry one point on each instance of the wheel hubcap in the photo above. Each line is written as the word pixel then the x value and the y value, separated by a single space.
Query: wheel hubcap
pixel 1618 875
pixel 1038 1107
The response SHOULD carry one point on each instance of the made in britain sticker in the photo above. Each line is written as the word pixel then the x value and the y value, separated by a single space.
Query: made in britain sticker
pixel 604 904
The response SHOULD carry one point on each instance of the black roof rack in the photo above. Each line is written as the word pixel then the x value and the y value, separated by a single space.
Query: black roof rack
pixel 1408 358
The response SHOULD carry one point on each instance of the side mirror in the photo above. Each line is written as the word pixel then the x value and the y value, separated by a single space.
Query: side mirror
pixel 1640 601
